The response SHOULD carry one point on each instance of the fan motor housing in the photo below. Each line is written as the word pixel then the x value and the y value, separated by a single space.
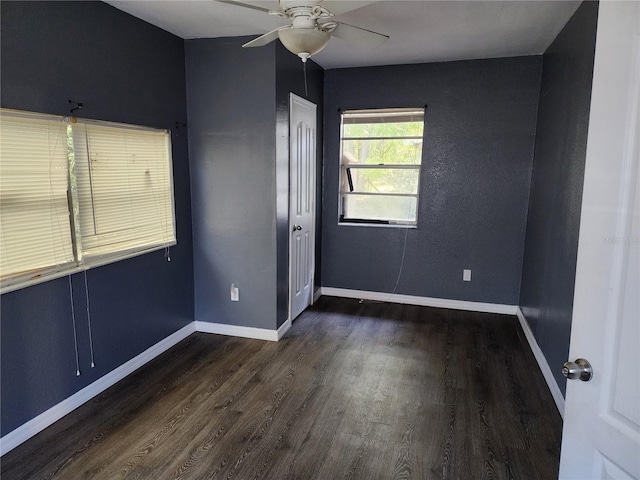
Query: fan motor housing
pixel 291 5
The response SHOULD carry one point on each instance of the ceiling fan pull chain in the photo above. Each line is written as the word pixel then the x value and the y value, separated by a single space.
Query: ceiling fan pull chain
pixel 304 68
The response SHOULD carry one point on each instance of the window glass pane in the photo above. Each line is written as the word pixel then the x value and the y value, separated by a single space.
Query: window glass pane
pixel 381 180
pixel 403 129
pixel 379 207
pixel 376 152
pixel 381 155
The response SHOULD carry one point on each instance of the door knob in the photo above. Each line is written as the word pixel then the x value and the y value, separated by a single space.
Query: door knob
pixel 581 369
pixel 297 227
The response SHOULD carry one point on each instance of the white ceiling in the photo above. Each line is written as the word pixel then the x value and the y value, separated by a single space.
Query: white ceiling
pixel 420 30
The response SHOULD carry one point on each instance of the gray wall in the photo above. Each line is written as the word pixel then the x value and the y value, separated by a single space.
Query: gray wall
pixel 238 144
pixel 477 157
pixel 548 274
pixel 124 70
pixel 231 99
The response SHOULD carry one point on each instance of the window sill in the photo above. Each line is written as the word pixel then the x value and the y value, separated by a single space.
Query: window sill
pixel 70 270
pixel 376 225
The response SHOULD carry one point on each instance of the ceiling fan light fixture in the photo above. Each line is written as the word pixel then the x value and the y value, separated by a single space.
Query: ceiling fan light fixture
pixel 304 42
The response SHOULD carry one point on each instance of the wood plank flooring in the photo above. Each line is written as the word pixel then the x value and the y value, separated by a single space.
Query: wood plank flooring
pixel 366 391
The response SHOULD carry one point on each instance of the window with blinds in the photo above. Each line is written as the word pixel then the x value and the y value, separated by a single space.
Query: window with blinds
pixel 76 194
pixel 381 157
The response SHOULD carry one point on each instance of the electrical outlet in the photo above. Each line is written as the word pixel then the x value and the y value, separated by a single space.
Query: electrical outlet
pixel 466 275
pixel 235 293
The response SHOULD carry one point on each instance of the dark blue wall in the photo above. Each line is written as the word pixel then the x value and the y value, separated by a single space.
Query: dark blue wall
pixel 123 70
pixel 474 185
pixel 231 101
pixel 549 268
pixel 238 143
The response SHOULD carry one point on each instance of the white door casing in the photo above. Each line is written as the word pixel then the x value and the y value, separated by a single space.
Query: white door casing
pixel 601 436
pixel 302 194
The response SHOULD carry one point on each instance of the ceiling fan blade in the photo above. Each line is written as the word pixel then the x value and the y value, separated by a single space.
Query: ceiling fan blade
pixel 246 5
pixel 338 7
pixel 262 40
pixel 358 36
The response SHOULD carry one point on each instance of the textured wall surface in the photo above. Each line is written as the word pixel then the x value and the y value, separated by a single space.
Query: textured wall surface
pixel 474 184
pixel 238 144
pixel 551 246
pixel 123 70
pixel 231 99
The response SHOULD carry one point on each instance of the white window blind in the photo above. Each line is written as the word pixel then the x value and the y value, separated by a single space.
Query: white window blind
pixel 76 194
pixel 124 188
pixel 35 233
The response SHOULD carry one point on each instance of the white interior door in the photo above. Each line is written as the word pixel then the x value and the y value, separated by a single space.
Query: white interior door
pixel 601 437
pixel 302 194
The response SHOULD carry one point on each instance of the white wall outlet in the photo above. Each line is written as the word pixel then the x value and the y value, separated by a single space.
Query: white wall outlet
pixel 466 275
pixel 235 293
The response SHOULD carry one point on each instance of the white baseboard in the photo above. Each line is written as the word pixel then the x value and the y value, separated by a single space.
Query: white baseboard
pixel 55 413
pixel 240 331
pixel 469 306
pixel 317 294
pixel 542 362
pixel 284 328
pixel 45 419
pixel 422 301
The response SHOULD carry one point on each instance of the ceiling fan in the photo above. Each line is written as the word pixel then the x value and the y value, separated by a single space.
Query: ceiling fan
pixel 311 28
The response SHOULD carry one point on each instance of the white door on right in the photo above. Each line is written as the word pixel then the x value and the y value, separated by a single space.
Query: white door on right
pixel 601 436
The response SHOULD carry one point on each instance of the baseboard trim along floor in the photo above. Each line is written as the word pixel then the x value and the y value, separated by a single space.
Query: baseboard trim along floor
pixel 55 413
pixel 45 419
pixel 348 381
pixel 246 332
pixel 421 301
pixel 542 362
pixel 317 294
pixel 469 306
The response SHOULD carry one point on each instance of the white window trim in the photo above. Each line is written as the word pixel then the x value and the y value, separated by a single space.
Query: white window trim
pixel 376 113
pixel 27 279
pixel 31 280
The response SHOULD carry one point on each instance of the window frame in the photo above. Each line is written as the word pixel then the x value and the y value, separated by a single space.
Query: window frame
pixel 377 114
pixel 79 263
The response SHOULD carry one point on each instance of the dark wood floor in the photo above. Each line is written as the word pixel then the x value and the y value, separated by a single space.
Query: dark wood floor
pixel 368 391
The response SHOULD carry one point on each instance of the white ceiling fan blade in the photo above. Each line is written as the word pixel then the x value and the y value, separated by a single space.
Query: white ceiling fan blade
pixel 358 36
pixel 262 40
pixel 338 7
pixel 246 5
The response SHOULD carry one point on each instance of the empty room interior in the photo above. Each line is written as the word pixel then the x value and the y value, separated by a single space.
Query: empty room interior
pixel 353 253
